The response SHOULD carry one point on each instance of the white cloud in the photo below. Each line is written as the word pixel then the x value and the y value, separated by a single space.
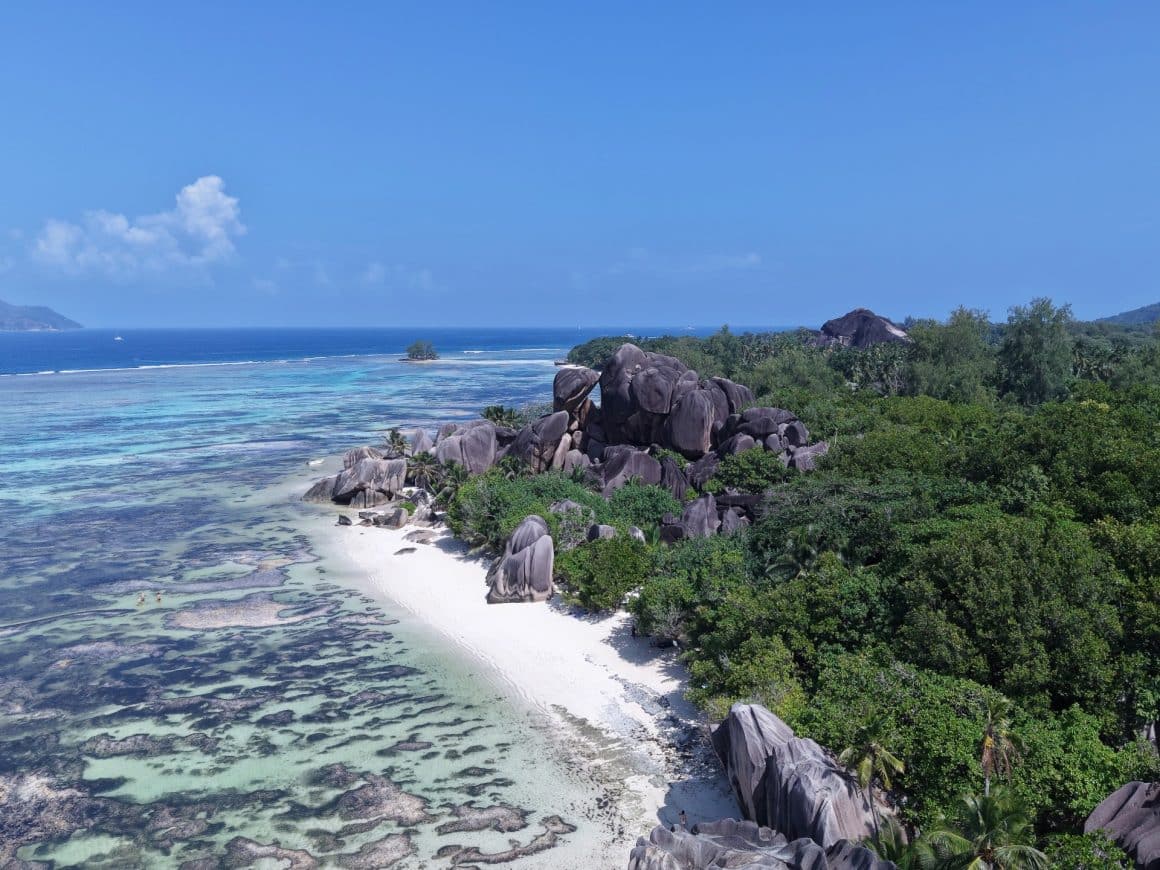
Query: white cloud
pixel 374 273
pixel 198 231
pixel 642 261
pixel 398 277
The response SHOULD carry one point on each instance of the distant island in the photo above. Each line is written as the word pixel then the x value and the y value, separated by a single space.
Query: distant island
pixel 1135 317
pixel 32 318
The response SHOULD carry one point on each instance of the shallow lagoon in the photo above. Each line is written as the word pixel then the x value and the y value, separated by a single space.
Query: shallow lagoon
pixel 265 698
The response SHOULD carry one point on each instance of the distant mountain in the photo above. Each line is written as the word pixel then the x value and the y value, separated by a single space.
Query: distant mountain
pixel 30 318
pixel 1147 314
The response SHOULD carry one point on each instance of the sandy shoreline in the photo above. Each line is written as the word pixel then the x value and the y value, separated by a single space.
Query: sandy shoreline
pixel 610 695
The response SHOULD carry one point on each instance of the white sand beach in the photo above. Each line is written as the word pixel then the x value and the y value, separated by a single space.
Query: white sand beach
pixel 616 700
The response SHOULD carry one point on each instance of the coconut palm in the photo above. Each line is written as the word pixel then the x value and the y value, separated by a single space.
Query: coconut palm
pixel 452 477
pixel 424 470
pixel 395 442
pixel 869 760
pixel 501 416
pixel 988 832
pixel 999 747
pixel 891 845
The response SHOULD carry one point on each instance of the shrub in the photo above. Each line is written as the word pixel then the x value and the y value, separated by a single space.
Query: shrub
pixel 754 470
pixel 641 504
pixel 598 575
pixel 1092 851
pixel 487 508
pixel 760 671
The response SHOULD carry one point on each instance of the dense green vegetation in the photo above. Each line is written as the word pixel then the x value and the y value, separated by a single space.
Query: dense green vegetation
pixel 972 573
pixel 421 350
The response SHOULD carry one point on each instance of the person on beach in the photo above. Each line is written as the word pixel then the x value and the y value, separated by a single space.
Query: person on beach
pixel 684 821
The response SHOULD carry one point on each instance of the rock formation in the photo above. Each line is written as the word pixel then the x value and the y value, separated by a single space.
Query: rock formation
pixel 860 328
pixel 623 464
pixel 649 398
pixel 570 390
pixel 418 441
pixel 544 444
pixel 524 572
pixel 365 481
pixel 1131 816
pixel 730 843
pixel 472 445
pixel 789 783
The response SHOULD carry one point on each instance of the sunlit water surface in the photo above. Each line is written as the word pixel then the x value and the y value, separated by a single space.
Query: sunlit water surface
pixel 184 681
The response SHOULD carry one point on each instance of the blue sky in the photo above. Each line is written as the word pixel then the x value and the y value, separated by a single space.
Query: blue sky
pixel 548 163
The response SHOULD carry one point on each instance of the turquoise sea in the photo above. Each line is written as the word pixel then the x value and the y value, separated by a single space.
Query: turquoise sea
pixel 184 681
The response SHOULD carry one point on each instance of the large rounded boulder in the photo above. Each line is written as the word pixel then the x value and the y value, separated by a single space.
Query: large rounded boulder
pixel 733 843
pixel 524 572
pixel 789 783
pixel 1131 816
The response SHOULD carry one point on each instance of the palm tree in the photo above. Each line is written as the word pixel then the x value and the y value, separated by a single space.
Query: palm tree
pixel 868 759
pixel 891 845
pixel 501 416
pixel 396 443
pixel 424 470
pixel 991 832
pixel 452 478
pixel 999 747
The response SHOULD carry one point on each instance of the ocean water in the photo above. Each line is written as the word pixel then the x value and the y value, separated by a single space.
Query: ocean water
pixel 184 680
pixel 87 349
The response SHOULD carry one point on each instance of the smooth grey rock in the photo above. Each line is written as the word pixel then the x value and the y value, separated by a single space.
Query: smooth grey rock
pixel 353 457
pixel 805 458
pixel 524 572
pixel 699 518
pixel 571 386
pixel 739 443
pixel 392 519
pixel 729 843
pixel 471 445
pixel 625 465
pixel 688 429
pixel 860 328
pixel 718 398
pixel 419 441
pixel 794 433
pixel 733 521
pixel 700 472
pixel 344 520
pixel 774 444
pixel 321 492
pixel 1131 816
pixel 745 503
pixel 762 422
pixel 637 534
pixel 789 783
pixel 370 482
pixel 574 459
pixel 738 395
pixel 652 389
pixel 599 531
pixel 537 443
pixel 673 478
